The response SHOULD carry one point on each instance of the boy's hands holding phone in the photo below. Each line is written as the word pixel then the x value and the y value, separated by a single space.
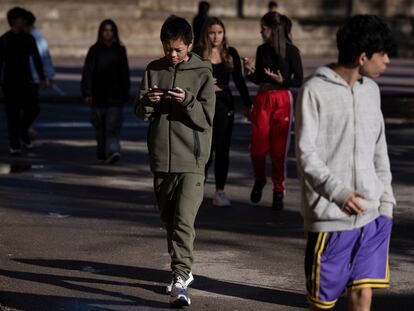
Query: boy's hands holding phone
pixel 177 94
pixel 155 94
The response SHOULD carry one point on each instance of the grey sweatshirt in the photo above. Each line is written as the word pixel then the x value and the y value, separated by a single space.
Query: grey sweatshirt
pixel 341 148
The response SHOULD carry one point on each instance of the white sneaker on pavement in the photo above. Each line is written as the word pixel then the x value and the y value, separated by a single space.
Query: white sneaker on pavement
pixel 179 293
pixel 220 199
pixel 187 283
pixel 15 151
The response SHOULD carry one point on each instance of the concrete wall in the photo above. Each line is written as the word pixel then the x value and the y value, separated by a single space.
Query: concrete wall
pixel 71 26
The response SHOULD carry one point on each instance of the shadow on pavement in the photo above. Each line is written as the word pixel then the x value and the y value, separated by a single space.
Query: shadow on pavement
pixel 26 301
pixel 220 287
pixel 34 302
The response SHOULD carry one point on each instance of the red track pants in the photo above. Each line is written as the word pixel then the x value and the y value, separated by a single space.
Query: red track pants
pixel 272 115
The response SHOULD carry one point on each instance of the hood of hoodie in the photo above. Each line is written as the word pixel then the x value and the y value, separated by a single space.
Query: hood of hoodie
pixel 327 74
pixel 194 62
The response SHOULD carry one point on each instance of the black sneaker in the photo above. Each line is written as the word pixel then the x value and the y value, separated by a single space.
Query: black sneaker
pixel 277 204
pixel 113 158
pixel 256 194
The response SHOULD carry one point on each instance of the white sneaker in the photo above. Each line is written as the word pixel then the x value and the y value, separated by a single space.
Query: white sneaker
pixel 15 151
pixel 220 199
pixel 28 146
pixel 187 283
pixel 179 294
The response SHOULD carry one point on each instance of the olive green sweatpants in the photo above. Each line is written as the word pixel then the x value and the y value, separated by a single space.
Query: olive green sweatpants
pixel 179 197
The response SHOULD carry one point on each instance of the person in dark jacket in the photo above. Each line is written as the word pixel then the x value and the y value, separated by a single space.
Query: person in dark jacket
pixel 199 19
pixel 105 88
pixel 226 63
pixel 16 49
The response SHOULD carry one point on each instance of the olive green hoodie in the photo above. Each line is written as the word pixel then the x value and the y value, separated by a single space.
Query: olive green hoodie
pixel 179 134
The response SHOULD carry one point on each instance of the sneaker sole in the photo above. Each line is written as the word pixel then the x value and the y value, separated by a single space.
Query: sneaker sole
pixel 113 159
pixel 180 302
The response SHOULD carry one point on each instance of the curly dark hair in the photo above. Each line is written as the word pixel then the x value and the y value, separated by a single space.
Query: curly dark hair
pixel 363 33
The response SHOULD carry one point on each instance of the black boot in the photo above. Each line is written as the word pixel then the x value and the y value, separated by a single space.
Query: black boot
pixel 256 194
pixel 277 203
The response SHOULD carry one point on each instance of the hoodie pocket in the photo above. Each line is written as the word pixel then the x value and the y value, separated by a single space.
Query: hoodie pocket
pixel 322 209
pixel 370 185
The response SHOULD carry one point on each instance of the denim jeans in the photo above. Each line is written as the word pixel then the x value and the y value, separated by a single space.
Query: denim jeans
pixel 107 122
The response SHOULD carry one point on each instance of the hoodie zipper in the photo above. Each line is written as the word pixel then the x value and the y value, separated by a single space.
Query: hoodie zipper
pixel 354 177
pixel 197 149
pixel 169 119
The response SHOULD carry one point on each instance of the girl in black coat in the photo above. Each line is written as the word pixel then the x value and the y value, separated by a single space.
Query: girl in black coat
pixel 105 88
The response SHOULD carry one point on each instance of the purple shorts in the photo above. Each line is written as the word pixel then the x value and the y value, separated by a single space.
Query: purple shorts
pixel 336 261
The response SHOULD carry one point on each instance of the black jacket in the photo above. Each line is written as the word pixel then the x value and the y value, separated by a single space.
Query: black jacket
pixel 105 75
pixel 290 67
pixel 15 52
pixel 222 73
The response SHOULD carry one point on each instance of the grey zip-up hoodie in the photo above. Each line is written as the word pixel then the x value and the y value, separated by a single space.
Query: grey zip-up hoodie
pixel 341 148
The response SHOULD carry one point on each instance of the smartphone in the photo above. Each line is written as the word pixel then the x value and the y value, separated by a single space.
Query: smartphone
pixel 161 90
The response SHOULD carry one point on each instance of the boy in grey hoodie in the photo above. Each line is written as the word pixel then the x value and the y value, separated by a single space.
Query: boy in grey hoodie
pixel 347 199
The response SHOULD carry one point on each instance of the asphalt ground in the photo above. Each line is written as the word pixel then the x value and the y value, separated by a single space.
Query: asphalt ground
pixel 78 235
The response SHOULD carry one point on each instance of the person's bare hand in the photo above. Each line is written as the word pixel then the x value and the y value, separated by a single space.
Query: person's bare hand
pixel 89 100
pixel 50 82
pixel 248 113
pixel 353 204
pixel 248 65
pixel 42 84
pixel 177 94
pixel 277 77
pixel 154 95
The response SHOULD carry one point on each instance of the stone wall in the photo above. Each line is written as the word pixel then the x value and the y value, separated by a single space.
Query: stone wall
pixel 71 26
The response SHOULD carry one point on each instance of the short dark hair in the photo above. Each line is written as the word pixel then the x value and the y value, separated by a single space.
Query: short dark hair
pixel 15 13
pixel 176 27
pixel 272 5
pixel 363 33
pixel 203 7
pixel 30 18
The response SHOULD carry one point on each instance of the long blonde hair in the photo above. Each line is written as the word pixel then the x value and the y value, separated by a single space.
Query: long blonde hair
pixel 206 46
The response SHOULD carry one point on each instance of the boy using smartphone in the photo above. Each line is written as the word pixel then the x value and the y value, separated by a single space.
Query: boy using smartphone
pixel 179 142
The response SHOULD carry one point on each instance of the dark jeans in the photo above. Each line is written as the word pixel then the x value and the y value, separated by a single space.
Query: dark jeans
pixel 107 122
pixel 222 130
pixel 22 108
